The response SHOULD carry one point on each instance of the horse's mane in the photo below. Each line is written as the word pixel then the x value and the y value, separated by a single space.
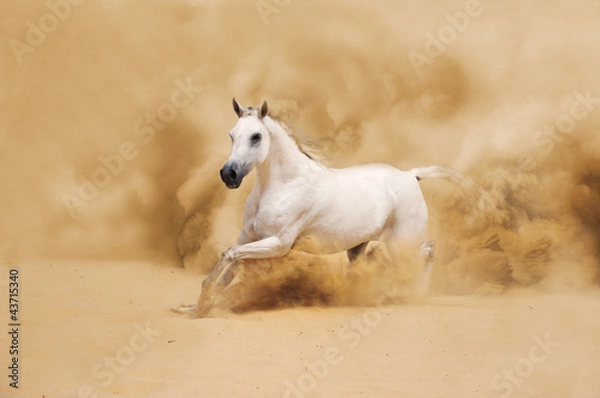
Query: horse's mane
pixel 309 150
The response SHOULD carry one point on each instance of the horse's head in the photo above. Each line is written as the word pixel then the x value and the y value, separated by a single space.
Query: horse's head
pixel 250 143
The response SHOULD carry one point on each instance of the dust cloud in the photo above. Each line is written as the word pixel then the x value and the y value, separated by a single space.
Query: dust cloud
pixel 114 126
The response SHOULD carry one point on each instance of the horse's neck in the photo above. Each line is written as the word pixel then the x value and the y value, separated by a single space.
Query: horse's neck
pixel 285 160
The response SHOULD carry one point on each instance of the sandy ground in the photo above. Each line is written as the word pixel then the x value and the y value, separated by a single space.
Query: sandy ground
pixel 77 314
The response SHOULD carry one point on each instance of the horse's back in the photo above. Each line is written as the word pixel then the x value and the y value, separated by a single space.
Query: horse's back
pixel 379 177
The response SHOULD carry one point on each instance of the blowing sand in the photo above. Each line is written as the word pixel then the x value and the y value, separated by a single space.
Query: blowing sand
pixel 113 121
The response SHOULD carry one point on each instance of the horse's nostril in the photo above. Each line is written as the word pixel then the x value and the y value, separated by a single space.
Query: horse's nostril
pixel 232 174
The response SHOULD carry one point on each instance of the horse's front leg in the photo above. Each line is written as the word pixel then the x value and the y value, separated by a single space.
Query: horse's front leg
pixel 206 299
pixel 222 275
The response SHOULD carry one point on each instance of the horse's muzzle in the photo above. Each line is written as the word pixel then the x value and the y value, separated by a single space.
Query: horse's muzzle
pixel 232 175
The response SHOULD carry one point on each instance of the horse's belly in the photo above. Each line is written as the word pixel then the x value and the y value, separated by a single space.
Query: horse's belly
pixel 315 245
pixel 337 231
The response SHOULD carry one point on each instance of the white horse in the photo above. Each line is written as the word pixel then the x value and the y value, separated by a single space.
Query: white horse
pixel 299 203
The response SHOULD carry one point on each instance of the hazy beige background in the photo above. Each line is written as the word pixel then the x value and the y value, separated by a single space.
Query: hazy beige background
pixel 338 72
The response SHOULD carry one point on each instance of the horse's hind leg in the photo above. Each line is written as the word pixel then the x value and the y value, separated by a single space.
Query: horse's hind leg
pixel 415 258
pixel 427 250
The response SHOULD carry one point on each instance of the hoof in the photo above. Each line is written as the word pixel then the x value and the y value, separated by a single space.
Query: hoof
pixel 184 310
pixel 193 311
pixel 428 249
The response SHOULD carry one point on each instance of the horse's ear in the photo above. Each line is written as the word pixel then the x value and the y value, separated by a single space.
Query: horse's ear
pixel 237 108
pixel 264 109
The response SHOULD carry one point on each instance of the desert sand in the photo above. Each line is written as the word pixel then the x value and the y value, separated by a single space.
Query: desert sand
pixel 114 117
pixel 77 314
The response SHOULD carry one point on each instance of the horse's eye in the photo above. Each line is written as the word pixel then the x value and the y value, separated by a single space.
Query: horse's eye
pixel 255 138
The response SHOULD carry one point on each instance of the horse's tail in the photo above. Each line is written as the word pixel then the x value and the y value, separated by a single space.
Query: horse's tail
pixel 427 172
